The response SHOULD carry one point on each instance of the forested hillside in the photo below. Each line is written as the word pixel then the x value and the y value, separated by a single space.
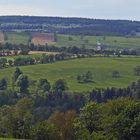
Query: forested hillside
pixel 74 26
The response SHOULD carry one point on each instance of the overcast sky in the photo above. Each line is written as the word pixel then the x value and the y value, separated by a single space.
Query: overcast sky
pixel 103 9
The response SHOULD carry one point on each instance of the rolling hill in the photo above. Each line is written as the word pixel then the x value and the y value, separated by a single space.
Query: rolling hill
pixel 101 69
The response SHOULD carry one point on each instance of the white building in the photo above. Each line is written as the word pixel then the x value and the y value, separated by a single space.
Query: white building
pixel 99 46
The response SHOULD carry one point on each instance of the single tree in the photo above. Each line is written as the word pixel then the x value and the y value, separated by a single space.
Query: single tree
pixel 43 85
pixel 16 74
pixel 23 83
pixel 60 85
pixel 3 84
pixel 137 70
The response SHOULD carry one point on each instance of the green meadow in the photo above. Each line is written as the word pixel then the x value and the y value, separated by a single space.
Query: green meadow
pixel 101 69
pixel 17 37
pixel 90 41
pixel 85 41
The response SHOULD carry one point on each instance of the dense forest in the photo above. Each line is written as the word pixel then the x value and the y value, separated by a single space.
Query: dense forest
pixel 75 26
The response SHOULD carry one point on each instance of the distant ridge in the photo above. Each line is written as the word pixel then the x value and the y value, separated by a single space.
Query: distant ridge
pixel 70 25
pixel 65 17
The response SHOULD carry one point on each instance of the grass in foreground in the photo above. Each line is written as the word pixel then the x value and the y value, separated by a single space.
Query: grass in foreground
pixel 100 67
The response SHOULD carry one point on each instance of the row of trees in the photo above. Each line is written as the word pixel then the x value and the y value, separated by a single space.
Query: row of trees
pixel 43 85
pixel 13 49
pixel 29 60
pixel 103 95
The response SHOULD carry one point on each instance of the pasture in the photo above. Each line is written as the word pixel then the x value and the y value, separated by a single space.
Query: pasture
pixel 101 69
pixel 108 41
pixel 17 37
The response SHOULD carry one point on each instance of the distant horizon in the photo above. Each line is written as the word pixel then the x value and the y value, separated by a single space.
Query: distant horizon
pixel 95 9
pixel 69 17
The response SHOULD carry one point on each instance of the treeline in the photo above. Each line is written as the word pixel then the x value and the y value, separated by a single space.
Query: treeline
pixel 117 119
pixel 72 53
pixel 43 59
pixel 8 49
pixel 103 95
pixel 75 26
pixel 51 58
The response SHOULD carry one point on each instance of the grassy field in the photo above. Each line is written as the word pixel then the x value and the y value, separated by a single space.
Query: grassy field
pixel 17 37
pixel 100 67
pixel 90 41
pixel 87 41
